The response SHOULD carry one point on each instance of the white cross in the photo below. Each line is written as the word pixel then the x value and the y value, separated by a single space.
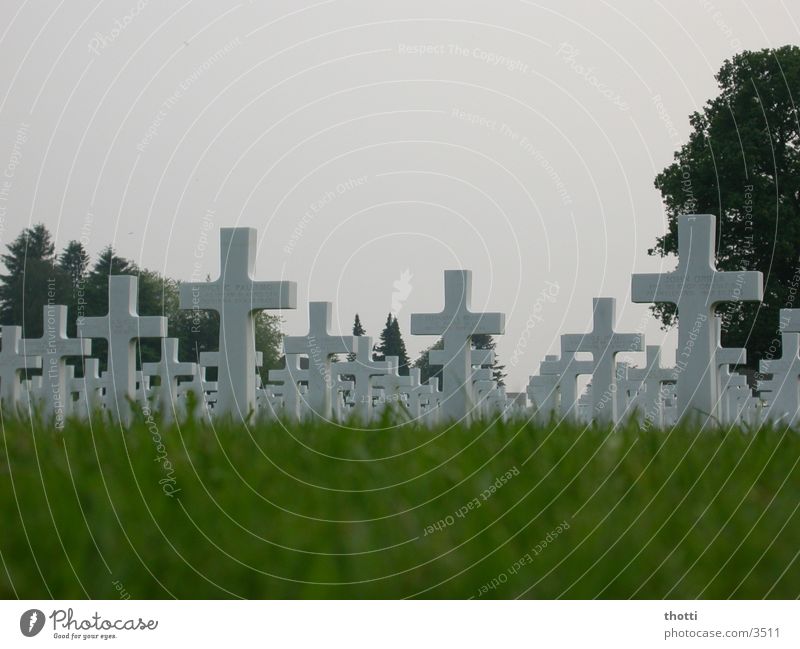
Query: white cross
pixel 542 391
pixel 168 369
pixel 784 387
pixel 456 323
pixel 603 343
pixel 789 320
pixel 54 347
pixel 478 357
pixel 121 327
pixel 391 382
pixel 696 287
pixel 12 362
pixel 90 388
pixel 290 378
pixel 237 297
pixel 340 390
pixel 735 393
pixel 483 390
pixel 568 368
pixel 649 400
pixel 199 386
pixel 361 369
pixel 320 346
pixel 417 394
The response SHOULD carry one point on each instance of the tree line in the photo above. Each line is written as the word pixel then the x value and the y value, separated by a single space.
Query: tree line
pixel 38 275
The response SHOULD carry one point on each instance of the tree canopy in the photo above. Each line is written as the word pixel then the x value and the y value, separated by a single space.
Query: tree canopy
pixel 37 276
pixel 742 163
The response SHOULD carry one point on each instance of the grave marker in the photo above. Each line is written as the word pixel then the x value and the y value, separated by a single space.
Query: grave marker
pixel 456 323
pixel 237 297
pixel 696 287
pixel 122 327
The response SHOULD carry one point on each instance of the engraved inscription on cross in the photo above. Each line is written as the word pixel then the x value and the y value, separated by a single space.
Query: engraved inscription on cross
pixel 121 327
pixel 603 343
pixel 456 323
pixel 236 296
pixel 696 287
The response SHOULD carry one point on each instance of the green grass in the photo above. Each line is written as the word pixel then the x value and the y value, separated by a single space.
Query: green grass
pixel 326 512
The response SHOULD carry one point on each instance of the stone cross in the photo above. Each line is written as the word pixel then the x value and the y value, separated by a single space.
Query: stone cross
pixel 784 387
pixel 121 327
pixel 200 387
pixel 724 356
pixel 735 393
pixel 543 394
pixel 568 368
pixel 482 374
pixel 340 391
pixel 696 288
pixel 625 390
pixel 789 320
pixel 478 357
pixel 362 368
pixel 90 388
pixel 456 323
pixel 320 346
pixel 168 369
pixel 12 362
pixel 392 383
pixel 648 398
pixel 603 343
pixel 290 378
pixel 237 297
pixel 417 393
pixel 54 347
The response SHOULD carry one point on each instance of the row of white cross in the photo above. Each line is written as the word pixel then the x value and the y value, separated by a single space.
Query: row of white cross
pixel 700 383
pixel 326 389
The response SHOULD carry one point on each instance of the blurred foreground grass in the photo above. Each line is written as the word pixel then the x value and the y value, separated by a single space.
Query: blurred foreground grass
pixel 321 511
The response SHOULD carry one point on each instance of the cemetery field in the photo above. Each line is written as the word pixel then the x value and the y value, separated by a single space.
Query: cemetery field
pixel 321 511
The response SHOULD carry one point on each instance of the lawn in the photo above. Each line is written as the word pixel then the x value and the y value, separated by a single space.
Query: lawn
pixel 322 511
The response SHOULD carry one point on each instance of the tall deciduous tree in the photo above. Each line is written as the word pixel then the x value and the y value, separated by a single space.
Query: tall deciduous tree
pixel 742 163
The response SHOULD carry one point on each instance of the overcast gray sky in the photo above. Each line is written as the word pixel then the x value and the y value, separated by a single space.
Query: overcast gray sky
pixel 373 144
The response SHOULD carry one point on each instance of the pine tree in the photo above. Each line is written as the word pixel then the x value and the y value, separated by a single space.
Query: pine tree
pixel 73 262
pixel 358 330
pixel 392 344
pixel 33 280
pixel 400 348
